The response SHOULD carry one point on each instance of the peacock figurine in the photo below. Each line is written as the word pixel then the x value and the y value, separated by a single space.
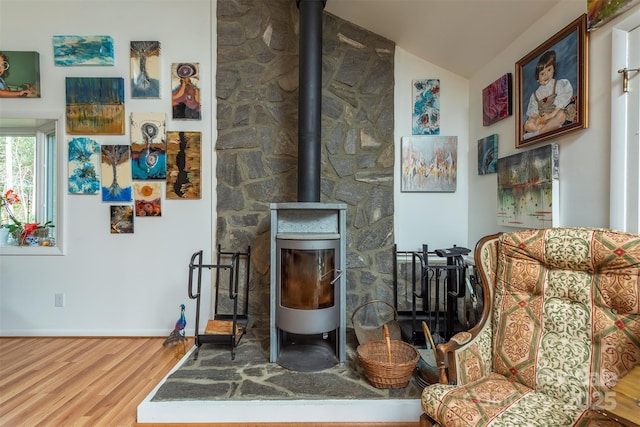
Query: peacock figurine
pixel 177 336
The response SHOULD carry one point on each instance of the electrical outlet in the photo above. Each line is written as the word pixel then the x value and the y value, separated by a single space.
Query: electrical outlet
pixel 59 299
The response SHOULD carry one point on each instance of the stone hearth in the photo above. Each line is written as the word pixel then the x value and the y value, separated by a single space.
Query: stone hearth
pixel 214 388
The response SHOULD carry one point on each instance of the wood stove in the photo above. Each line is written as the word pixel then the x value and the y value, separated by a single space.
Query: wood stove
pixel 308 287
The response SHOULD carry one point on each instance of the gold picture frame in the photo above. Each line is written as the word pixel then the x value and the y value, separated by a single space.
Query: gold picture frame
pixel 552 86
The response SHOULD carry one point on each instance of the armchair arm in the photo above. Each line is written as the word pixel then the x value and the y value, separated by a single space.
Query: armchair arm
pixel 467 355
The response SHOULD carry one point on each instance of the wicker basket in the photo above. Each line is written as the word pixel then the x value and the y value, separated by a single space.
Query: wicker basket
pixel 388 363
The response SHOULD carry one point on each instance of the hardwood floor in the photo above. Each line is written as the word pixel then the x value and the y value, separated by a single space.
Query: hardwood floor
pixel 78 381
pixel 90 382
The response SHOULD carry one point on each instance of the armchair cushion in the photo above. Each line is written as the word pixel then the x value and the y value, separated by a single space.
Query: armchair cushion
pixel 564 326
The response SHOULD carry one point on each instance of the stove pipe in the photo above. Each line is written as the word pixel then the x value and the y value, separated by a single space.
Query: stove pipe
pixel 310 99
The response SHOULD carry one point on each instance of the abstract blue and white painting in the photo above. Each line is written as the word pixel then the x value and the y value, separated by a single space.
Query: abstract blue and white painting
pixel 84 166
pixel 426 107
pixel 70 51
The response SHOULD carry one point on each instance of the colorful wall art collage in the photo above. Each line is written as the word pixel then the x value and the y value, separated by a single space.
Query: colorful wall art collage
pixel 155 163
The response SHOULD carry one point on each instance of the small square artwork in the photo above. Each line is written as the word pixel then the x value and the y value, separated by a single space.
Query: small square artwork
pixel 121 219
pixel 487 154
pixel 184 178
pixel 84 166
pixel 148 146
pixel 145 69
pixel 20 76
pixel 95 105
pixel 528 188
pixel 497 101
pixel 82 50
pixel 185 91
pixel 116 173
pixel 426 107
pixel 429 163
pixel 148 198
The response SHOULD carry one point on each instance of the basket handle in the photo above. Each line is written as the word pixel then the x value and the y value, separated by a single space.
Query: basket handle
pixel 387 338
pixel 395 312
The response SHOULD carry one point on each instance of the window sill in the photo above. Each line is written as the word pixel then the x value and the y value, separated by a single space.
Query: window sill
pixel 31 250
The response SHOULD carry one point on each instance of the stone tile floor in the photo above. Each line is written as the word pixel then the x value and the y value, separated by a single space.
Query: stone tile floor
pixel 214 376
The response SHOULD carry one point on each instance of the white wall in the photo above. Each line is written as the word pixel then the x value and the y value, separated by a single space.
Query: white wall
pixel 113 284
pixel 437 219
pixel 584 154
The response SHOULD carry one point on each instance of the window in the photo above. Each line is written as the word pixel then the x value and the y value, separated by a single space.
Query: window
pixel 28 167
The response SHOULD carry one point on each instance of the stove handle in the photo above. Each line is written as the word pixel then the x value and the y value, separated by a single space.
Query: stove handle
pixel 335 279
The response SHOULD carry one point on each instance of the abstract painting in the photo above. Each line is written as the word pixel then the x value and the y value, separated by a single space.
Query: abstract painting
pixel 148 198
pixel 95 105
pixel 600 12
pixel 20 77
pixel 84 166
pixel 426 107
pixel 116 173
pixel 145 69
pixel 121 219
pixel 528 188
pixel 148 146
pixel 83 50
pixel 183 165
pixel 429 163
pixel 487 154
pixel 185 91
pixel 496 100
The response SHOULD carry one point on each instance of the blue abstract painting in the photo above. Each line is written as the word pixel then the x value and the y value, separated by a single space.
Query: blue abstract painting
pixel 426 107
pixel 84 166
pixel 487 154
pixel 82 50
pixel 148 146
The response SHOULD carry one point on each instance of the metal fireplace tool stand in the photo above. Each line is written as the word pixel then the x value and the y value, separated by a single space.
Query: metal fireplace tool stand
pixel 424 275
pixel 224 328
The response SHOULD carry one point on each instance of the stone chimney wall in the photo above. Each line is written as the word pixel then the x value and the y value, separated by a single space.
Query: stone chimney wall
pixel 256 149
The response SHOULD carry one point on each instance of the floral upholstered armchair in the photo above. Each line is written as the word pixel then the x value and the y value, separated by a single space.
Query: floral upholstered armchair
pixel 561 326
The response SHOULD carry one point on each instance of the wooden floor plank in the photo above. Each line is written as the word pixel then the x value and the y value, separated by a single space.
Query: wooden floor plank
pixel 96 382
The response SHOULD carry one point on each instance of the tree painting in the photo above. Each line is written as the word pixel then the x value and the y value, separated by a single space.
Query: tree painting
pixel 116 173
pixel 145 69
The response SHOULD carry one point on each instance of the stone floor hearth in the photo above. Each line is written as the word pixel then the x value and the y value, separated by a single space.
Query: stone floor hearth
pixel 215 388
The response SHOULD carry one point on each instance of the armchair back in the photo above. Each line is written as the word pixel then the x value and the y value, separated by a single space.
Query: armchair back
pixel 566 310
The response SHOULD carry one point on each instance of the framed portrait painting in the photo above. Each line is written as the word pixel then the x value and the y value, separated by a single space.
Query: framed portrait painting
pixel 551 86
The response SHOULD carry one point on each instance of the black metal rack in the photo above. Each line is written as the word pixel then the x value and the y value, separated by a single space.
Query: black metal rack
pixel 423 275
pixel 224 328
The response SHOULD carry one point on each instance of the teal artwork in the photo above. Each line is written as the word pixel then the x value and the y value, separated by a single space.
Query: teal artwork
pixel 426 107
pixel 84 166
pixel 487 154
pixel 70 51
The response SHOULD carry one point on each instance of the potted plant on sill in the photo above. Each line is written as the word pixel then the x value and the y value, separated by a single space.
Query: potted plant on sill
pixel 24 233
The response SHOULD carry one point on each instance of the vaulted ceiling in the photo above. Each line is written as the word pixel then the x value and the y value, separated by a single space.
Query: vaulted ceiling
pixel 460 36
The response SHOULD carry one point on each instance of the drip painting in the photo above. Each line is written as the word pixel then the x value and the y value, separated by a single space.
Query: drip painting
pixel 145 69
pixel 600 12
pixel 487 154
pixel 528 188
pixel 71 51
pixel 95 105
pixel 426 107
pixel 184 178
pixel 116 173
pixel 20 74
pixel 148 146
pixel 497 101
pixel 429 163
pixel 185 91
pixel 84 166
pixel 148 198
pixel 121 219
